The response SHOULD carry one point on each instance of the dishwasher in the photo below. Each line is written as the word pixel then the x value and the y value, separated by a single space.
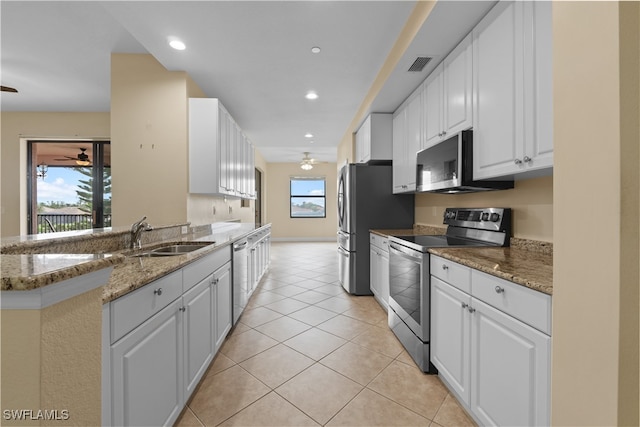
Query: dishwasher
pixel 240 278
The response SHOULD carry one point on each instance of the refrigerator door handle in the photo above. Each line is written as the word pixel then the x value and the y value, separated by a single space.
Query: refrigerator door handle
pixel 343 252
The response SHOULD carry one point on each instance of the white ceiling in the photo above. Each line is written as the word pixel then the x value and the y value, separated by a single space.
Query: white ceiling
pixel 253 55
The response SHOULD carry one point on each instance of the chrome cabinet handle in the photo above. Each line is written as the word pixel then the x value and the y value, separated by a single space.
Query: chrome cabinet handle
pixel 499 290
pixel 445 267
pixel 471 309
pixel 444 132
pixel 517 161
pixel 183 309
pixel 465 305
pixel 526 159
pixel 157 291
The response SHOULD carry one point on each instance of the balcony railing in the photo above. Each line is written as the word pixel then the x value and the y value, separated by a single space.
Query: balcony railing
pixel 51 223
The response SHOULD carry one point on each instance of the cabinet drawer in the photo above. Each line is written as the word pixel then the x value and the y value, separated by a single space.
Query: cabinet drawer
pixel 531 307
pixel 451 272
pixel 380 242
pixel 198 270
pixel 132 309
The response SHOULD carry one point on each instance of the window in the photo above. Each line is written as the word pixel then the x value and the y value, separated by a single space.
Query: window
pixel 308 197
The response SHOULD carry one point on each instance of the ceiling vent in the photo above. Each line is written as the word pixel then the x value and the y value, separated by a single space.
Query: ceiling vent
pixel 419 64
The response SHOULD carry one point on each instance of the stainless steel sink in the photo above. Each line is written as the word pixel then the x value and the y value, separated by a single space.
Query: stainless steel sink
pixel 172 249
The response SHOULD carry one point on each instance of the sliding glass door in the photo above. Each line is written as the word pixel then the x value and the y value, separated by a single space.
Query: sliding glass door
pixel 69 185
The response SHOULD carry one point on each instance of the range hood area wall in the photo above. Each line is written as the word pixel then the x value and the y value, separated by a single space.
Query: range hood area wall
pixel 531 202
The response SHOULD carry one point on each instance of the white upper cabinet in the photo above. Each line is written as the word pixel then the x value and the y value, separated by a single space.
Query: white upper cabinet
pixel 408 126
pixel 373 138
pixel 512 89
pixel 220 156
pixel 448 95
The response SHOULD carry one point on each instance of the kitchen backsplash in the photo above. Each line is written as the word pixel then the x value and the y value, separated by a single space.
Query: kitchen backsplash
pixel 531 202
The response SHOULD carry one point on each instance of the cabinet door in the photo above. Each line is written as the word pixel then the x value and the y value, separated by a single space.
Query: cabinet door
pixel 374 282
pixel 399 147
pixel 383 275
pixel 538 85
pixel 147 371
pixel 414 137
pixel 510 364
pixel 223 304
pixel 498 91
pixel 450 336
pixel 198 332
pixel 433 92
pixel 457 89
pixel 223 168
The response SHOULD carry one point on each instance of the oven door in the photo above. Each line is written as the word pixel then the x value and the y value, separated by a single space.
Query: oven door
pixel 409 295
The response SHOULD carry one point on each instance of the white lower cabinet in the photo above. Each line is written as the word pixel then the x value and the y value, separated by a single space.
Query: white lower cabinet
pixel 493 359
pixel 258 262
pixel 199 323
pixel 379 269
pixel 162 338
pixel 509 370
pixel 147 371
pixel 450 336
pixel 223 304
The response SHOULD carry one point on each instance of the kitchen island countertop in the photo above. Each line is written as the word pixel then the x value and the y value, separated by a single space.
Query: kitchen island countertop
pixel 22 272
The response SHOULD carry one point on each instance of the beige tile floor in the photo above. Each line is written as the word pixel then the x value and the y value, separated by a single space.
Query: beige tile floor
pixel 306 353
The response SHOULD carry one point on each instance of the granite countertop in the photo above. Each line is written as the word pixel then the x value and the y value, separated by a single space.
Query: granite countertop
pixel 526 262
pixel 524 267
pixel 27 272
pixel 32 271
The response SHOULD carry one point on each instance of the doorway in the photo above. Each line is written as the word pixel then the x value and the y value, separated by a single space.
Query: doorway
pixel 69 185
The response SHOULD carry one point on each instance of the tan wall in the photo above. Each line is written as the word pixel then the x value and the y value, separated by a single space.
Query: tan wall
pixel 278 203
pixel 17 125
pixel 21 332
pixel 531 202
pixel 593 382
pixel 148 141
pixel 72 358
pixel 51 360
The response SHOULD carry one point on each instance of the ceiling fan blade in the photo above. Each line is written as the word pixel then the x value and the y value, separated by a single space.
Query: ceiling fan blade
pixel 8 89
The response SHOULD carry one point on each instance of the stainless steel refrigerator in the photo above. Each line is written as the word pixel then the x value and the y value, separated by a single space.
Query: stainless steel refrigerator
pixel 366 201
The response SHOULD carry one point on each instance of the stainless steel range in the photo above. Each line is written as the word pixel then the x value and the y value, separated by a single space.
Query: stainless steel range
pixel 409 275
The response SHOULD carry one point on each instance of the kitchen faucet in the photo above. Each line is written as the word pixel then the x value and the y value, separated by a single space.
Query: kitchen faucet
pixel 136 232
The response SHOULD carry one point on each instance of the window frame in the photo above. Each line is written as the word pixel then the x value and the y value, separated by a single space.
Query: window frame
pixel 292 197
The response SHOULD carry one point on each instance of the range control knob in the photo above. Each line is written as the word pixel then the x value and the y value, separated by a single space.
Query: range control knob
pixel 485 216
pixel 450 215
pixel 495 217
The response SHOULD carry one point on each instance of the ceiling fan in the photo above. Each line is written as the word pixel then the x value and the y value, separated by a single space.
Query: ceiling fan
pixel 8 89
pixel 81 159
pixel 307 162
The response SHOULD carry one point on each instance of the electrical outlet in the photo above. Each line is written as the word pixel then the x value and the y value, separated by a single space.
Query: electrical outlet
pixel 185 229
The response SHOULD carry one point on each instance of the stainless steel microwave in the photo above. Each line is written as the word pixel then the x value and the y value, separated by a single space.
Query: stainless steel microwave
pixel 447 167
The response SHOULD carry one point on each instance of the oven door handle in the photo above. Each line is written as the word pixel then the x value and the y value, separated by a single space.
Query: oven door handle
pixel 403 253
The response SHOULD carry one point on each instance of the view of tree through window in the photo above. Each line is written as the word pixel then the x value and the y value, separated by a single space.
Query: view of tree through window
pixel 308 198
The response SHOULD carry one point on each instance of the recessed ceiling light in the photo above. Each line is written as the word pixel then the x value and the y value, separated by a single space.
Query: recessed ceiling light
pixel 308 135
pixel 177 44
pixel 311 142
pixel 311 95
pixel 315 49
